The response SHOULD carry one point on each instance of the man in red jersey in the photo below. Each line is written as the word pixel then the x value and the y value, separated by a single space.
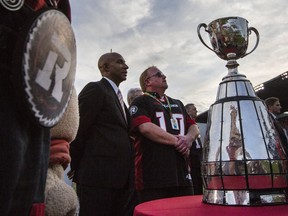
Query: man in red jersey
pixel 164 133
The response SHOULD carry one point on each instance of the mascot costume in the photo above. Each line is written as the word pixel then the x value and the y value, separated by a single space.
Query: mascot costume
pixel 37 73
pixel 60 198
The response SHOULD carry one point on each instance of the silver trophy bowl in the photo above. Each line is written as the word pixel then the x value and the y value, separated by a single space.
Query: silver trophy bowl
pixel 229 35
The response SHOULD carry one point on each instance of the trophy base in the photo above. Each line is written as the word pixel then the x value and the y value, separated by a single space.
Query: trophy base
pixel 246 197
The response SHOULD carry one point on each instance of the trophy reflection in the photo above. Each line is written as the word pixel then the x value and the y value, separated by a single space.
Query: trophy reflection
pixel 244 162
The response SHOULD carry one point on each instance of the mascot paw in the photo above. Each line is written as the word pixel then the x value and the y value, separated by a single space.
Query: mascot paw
pixel 61 199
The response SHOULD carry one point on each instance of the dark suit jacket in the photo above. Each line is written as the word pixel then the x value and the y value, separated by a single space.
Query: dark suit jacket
pixel 102 153
pixel 282 135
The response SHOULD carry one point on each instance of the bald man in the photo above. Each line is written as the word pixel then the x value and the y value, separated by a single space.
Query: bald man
pixel 102 153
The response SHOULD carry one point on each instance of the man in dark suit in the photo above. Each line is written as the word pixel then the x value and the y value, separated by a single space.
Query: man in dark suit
pixel 102 153
pixel 274 108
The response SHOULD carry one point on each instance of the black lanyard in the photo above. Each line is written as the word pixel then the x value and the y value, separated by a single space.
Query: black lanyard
pixel 166 98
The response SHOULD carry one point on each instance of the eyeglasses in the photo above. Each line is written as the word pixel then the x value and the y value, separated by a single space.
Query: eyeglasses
pixel 158 74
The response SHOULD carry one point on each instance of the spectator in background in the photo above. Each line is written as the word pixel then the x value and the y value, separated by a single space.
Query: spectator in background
pixel 132 199
pixel 164 133
pixel 284 122
pixel 274 108
pixel 132 94
pixel 195 156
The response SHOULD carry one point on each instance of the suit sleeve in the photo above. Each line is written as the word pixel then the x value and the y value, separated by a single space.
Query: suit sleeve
pixel 90 105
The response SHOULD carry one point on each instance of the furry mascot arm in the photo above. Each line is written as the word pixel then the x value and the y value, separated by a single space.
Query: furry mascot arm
pixel 60 198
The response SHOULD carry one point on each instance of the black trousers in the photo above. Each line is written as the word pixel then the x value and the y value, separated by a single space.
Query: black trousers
pixel 101 201
pixel 195 166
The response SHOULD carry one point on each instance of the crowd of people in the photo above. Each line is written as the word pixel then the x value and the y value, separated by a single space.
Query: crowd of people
pixel 126 155
pixel 122 157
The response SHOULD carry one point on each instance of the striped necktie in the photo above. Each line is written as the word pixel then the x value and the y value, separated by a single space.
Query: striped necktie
pixel 122 103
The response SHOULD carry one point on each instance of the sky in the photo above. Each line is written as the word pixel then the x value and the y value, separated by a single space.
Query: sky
pixel 163 33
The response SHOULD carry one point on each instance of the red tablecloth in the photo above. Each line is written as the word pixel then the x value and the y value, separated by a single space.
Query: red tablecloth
pixel 193 206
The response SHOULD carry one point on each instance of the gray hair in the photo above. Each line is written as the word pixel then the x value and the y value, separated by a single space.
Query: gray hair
pixel 132 94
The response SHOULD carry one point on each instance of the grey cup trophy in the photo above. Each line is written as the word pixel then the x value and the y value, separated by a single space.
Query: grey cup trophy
pixel 229 35
pixel 244 162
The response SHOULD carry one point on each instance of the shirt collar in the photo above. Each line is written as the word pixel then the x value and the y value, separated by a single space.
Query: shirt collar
pixel 154 94
pixel 274 116
pixel 114 86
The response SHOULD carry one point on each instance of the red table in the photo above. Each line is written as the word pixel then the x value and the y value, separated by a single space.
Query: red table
pixel 193 206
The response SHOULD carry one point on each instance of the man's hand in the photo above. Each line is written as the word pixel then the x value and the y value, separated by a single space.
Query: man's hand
pixel 183 145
